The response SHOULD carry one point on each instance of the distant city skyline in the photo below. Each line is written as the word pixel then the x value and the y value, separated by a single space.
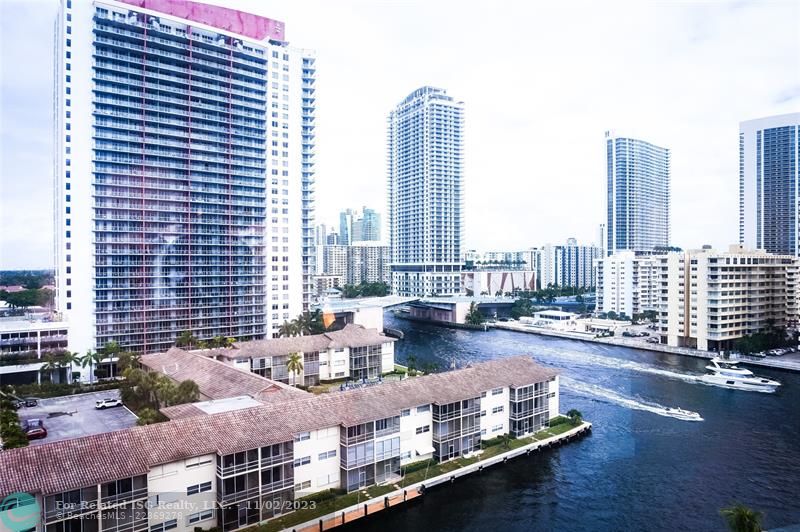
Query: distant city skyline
pixel 519 157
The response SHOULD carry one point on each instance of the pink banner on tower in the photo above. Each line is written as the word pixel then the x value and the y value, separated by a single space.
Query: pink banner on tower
pixel 245 24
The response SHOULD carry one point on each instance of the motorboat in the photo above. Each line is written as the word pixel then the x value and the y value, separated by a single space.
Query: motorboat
pixel 727 374
pixel 680 413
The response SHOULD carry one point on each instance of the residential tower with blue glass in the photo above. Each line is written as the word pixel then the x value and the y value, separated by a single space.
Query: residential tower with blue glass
pixel 184 173
pixel 637 195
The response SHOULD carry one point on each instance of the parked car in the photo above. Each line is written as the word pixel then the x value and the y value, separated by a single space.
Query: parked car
pixel 653 340
pixel 628 334
pixel 108 402
pixel 758 355
pixel 34 429
pixel 644 333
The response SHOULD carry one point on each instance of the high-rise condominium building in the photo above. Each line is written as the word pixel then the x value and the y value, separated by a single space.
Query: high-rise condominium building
pixel 769 184
pixel 710 299
pixel 425 159
pixel 359 226
pixel 627 283
pixel 184 173
pixel 637 195
pixel 569 264
pixel 361 262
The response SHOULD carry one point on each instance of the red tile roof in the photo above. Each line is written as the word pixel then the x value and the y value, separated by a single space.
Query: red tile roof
pixel 216 379
pixel 80 462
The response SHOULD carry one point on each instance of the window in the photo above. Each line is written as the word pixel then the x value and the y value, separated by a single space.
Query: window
pixel 197 462
pixel 425 428
pixel 303 436
pixel 198 488
pixel 497 391
pixel 497 428
pixel 497 409
pixel 483 413
pixel 329 454
pixel 200 516
pixel 302 461
pixel 423 408
pixel 405 412
pixel 303 485
pixel 166 525
pixel 483 394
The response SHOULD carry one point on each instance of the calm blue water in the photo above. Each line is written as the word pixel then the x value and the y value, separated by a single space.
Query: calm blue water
pixel 638 470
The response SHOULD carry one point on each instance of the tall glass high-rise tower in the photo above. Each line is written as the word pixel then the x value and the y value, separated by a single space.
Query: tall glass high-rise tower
pixel 769 184
pixel 637 195
pixel 184 173
pixel 425 172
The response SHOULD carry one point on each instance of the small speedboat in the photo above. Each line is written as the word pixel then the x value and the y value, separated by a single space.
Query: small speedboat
pixel 728 375
pixel 686 415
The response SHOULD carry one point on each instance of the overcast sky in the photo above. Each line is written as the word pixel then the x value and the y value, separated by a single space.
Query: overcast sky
pixel 542 82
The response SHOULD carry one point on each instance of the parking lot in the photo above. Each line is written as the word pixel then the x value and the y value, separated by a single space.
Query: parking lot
pixel 74 416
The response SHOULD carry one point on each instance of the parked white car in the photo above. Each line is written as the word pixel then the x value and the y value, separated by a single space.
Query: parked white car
pixel 107 403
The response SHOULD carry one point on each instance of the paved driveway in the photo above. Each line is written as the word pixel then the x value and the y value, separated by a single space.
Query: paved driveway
pixel 74 416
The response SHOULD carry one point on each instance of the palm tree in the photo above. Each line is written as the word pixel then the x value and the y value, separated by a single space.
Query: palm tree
pixel 185 339
pixel 69 359
pixel 287 329
pixel 294 365
pixel 411 363
pixel 740 518
pixel 575 416
pixel 50 365
pixel 91 359
pixel 110 350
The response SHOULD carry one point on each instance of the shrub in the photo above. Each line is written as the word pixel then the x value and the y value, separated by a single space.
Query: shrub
pixel 320 496
pixel 416 466
pixel 560 420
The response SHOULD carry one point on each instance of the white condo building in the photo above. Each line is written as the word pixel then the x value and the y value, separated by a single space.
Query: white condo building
pixel 208 468
pixel 769 184
pixel 425 180
pixel 357 263
pixel 569 264
pixel 627 283
pixel 184 173
pixel 637 195
pixel 709 299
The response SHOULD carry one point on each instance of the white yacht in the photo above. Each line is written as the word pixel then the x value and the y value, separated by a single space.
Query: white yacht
pixel 727 374
pixel 680 413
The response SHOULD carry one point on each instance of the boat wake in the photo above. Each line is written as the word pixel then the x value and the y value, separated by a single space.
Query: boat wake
pixel 616 363
pixel 610 396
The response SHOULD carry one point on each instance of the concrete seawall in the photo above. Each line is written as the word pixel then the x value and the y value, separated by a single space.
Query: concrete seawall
pixel 772 363
pixel 418 489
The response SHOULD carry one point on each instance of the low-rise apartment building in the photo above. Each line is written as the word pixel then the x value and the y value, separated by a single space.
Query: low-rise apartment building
pixel 237 468
pixel 352 353
pixel 709 299
pixel 23 344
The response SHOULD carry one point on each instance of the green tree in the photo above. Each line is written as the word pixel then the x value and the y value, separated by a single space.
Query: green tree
pixel 294 365
pixel 127 360
pixel 474 316
pixel 91 359
pixel 185 339
pixel 287 329
pixel 740 518
pixel 50 366
pixel 70 359
pixel 187 392
pixel 148 416
pixel 411 363
pixel 522 307
pixel 575 417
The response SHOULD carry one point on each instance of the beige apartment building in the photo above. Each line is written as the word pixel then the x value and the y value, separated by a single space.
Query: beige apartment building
pixel 709 299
